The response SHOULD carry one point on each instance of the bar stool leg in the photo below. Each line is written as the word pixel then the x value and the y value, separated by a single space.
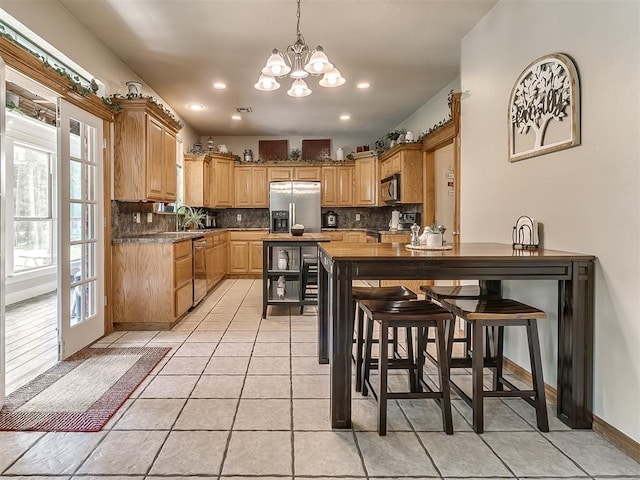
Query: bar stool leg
pixel 443 375
pixel 477 364
pixel 382 378
pixel 394 340
pixel 421 338
pixel 359 346
pixel 499 347
pixel 536 375
pixel 413 373
pixel 367 356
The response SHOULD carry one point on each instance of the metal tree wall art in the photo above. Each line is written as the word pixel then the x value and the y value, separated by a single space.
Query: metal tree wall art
pixel 544 108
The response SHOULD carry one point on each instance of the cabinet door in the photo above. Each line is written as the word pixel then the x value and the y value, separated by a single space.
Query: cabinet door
pixel 169 170
pixel 366 182
pixel 280 173
pixel 344 188
pixel 155 160
pixel 243 186
pixel 238 257
pixel 211 266
pixel 259 187
pixel 223 182
pixel 255 257
pixel 353 237
pixel 308 173
pixel 329 182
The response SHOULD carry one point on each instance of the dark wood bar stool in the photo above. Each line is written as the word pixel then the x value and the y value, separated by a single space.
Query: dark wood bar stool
pixel 438 293
pixel 419 315
pixel 499 312
pixel 399 292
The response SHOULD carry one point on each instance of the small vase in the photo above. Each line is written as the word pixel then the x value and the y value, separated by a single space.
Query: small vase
pixel 392 144
pixel 134 87
pixel 340 154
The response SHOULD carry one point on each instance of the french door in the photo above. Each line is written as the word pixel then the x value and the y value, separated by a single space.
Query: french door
pixel 81 230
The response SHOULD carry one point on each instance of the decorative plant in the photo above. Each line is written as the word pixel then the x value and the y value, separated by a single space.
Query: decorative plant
pixel 294 154
pixel 435 228
pixel 192 218
pixel 380 145
pixel 395 134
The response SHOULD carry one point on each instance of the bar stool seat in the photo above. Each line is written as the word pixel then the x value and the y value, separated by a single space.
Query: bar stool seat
pixel 419 315
pixel 399 292
pixel 438 293
pixel 499 312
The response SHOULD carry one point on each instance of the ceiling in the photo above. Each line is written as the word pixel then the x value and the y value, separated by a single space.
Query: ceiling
pixel 408 50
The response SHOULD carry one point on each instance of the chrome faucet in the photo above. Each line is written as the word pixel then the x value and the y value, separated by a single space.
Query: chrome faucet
pixel 182 207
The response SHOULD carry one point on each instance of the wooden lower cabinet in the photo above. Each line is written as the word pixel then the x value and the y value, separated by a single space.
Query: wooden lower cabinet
pixel 355 237
pixel 216 258
pixel 152 284
pixel 245 253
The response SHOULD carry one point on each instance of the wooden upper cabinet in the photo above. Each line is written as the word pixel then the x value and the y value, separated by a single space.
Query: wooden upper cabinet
pixel 197 178
pixel 367 182
pixel 222 180
pixel 337 186
pixel 144 152
pixel 307 173
pixel 405 159
pixel 251 187
pixel 276 174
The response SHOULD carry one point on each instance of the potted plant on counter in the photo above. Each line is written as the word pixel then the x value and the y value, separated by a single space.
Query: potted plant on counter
pixel 192 218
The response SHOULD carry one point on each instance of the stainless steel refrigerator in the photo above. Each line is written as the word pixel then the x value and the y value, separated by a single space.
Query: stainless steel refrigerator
pixel 300 199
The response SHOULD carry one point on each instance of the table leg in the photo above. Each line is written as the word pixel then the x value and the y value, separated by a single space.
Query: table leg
pixel 341 343
pixel 575 346
pixel 323 312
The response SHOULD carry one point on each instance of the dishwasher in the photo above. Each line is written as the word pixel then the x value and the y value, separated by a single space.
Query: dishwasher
pixel 199 270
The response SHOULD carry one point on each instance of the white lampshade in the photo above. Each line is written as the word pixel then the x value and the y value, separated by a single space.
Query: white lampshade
pixel 276 66
pixel 299 89
pixel 332 79
pixel 267 83
pixel 318 63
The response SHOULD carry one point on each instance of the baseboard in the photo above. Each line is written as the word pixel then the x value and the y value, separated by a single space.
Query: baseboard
pixel 625 443
pixel 525 376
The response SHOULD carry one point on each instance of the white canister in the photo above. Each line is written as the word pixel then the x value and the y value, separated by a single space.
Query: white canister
pixel 409 136
pixel 434 239
pixel 340 154
pixel 223 149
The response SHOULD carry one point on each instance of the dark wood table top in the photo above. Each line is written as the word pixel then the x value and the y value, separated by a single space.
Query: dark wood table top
pixel 463 251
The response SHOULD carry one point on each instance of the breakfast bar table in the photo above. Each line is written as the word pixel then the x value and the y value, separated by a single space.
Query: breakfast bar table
pixel 490 263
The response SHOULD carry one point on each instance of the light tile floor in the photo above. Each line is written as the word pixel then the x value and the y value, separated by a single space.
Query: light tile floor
pixel 241 397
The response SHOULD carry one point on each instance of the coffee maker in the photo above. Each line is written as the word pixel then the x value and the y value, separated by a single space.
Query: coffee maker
pixel 407 219
pixel 279 221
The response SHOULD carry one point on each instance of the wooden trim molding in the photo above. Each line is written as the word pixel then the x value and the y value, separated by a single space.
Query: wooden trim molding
pixel 24 62
pixel 625 443
pixel 525 376
pixel 444 134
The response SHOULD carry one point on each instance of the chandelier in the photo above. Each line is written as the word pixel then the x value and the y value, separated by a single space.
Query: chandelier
pixel 298 62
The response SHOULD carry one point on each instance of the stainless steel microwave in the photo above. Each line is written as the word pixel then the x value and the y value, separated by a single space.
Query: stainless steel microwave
pixel 390 189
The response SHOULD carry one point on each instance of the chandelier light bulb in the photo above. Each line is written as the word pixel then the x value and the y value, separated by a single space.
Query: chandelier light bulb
pixel 266 84
pixel 276 66
pixel 332 79
pixel 299 89
pixel 318 63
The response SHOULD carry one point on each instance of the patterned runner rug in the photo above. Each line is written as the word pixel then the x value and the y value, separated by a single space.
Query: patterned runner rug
pixel 81 393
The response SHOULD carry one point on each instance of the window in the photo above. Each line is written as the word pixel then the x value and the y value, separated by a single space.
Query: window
pixel 33 245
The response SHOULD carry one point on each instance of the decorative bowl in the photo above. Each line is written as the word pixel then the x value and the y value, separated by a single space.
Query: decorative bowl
pixel 296 231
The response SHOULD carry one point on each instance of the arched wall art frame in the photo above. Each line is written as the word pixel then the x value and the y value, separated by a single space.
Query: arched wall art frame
pixel 544 108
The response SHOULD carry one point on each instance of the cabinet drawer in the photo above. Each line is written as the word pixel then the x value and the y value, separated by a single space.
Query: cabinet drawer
pixel 307 173
pixel 183 270
pixel 183 299
pixel 182 249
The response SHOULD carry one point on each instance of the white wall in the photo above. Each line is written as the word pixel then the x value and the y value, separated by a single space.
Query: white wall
pixel 53 23
pixel 432 112
pixel 587 196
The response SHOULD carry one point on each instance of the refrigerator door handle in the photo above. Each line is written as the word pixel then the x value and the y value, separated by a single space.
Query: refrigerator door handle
pixel 292 215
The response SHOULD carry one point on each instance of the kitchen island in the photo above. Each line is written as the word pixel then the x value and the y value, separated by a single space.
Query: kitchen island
pixel 288 263
pixel 341 264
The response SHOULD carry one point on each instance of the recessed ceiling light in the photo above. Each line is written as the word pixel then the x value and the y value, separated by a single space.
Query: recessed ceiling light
pixel 219 86
pixel 236 117
pixel 195 106
pixel 363 85
pixel 345 117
